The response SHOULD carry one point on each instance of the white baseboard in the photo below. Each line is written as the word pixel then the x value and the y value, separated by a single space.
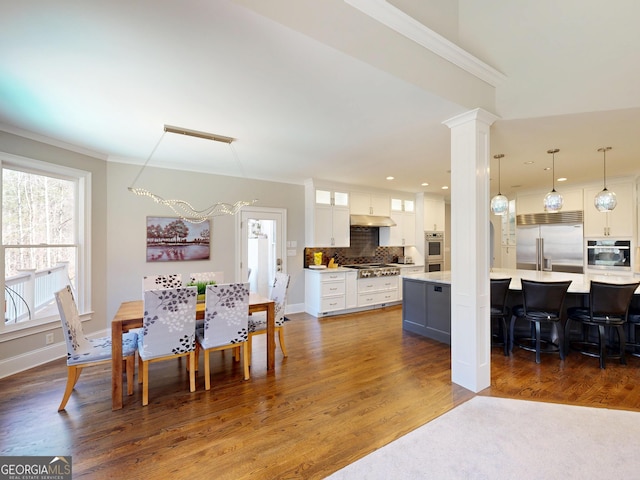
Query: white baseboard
pixel 294 308
pixel 40 356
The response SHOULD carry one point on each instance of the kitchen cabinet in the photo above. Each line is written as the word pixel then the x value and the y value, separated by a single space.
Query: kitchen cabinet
pixel 370 204
pixel 534 203
pixel 336 291
pixel 329 225
pixel 434 214
pixel 377 290
pixel 616 223
pixel 508 256
pixel 325 291
pixel 408 270
pixel 426 309
pixel 404 233
pixel 351 289
pixel 508 225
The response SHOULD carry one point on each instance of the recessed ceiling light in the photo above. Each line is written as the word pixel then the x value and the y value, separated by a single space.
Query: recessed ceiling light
pixel 445 188
pixel 547 169
pixel 425 184
pixel 562 179
pixel 390 178
pixel 528 162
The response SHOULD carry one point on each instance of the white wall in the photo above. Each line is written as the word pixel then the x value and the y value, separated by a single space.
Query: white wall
pixel 126 225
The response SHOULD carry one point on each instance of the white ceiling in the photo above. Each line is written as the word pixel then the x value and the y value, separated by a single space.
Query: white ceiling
pixel 321 90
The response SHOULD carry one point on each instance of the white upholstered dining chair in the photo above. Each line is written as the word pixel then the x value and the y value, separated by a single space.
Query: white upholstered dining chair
pixel 258 320
pixel 207 277
pixel 156 282
pixel 83 352
pixel 225 324
pixel 168 331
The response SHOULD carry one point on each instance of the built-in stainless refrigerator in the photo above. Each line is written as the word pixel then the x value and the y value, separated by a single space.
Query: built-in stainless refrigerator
pixel 550 241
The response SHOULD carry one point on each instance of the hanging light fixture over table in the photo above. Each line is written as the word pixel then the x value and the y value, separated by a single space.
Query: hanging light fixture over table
pixel 605 201
pixel 183 208
pixel 553 200
pixel 499 203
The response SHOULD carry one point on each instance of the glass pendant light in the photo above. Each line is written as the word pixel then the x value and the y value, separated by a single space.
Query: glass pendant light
pixel 605 201
pixel 499 203
pixel 553 200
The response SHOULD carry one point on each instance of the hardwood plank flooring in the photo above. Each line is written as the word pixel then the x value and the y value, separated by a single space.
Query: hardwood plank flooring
pixel 350 385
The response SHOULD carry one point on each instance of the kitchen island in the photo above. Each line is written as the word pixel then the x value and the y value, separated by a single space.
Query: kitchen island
pixel 426 303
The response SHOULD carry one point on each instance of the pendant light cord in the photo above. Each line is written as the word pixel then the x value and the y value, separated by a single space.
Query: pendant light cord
pixel 553 167
pixel 499 157
pixel 604 165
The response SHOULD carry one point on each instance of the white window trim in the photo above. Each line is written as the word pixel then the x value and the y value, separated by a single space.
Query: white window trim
pixel 83 235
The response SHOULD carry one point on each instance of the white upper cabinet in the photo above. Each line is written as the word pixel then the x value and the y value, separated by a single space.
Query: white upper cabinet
pixel 434 214
pixel 404 233
pixel 616 223
pixel 370 204
pixel 534 202
pixel 327 218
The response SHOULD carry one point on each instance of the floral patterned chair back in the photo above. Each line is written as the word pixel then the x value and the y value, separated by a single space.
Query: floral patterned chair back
pixel 168 325
pixel 206 277
pixel 279 295
pixel 226 314
pixel 77 343
pixel 158 282
pixel 82 352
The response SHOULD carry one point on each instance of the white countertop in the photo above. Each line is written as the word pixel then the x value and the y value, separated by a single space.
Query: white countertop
pixel 331 270
pixel 579 282
pixel 345 269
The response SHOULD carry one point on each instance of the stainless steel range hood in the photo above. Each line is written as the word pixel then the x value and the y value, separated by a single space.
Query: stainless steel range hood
pixel 371 221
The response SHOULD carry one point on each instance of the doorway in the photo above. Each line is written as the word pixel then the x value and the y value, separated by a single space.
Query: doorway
pixel 262 251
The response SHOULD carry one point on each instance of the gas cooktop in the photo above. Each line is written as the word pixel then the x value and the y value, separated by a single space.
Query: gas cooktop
pixel 374 270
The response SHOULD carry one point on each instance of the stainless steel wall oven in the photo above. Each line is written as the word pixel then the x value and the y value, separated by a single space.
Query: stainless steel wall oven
pixel 434 251
pixel 609 254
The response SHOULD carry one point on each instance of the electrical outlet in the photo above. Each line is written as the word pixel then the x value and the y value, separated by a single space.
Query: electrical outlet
pixel 49 338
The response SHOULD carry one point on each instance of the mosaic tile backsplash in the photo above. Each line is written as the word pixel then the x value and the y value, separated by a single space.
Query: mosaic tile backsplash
pixel 364 249
pixel 342 256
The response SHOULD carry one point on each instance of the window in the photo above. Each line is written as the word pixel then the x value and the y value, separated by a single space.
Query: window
pixel 44 233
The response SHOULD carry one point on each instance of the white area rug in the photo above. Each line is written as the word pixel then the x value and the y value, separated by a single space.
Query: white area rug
pixel 496 438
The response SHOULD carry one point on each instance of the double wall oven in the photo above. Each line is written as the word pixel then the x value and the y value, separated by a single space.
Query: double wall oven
pixel 434 251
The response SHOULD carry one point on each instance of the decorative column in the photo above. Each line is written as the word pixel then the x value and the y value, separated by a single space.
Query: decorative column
pixel 470 262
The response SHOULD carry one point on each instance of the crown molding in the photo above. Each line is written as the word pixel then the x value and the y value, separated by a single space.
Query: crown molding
pixel 397 20
pixel 51 141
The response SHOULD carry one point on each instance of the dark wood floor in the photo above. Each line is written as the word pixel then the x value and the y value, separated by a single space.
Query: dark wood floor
pixel 350 385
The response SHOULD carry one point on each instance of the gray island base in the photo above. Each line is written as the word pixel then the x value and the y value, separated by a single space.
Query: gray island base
pixel 426 308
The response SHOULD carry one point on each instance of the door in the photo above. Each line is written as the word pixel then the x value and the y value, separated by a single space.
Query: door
pixel 262 246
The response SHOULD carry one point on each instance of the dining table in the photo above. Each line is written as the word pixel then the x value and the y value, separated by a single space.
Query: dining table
pixel 129 316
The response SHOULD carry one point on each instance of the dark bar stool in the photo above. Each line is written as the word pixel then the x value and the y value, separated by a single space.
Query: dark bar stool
pixel 608 309
pixel 633 319
pixel 500 312
pixel 542 303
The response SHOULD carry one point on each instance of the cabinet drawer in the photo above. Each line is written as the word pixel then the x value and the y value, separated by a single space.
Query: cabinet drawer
pixel 377 284
pixel 375 298
pixel 411 270
pixel 332 277
pixel 328 289
pixel 330 304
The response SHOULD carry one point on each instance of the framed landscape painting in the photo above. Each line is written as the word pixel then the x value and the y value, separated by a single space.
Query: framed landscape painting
pixel 172 239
